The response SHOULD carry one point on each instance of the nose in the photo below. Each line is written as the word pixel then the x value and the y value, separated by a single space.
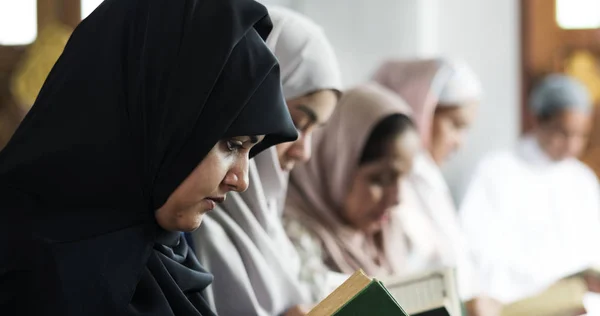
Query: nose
pixel 236 178
pixel 301 149
pixel 393 194
pixel 459 139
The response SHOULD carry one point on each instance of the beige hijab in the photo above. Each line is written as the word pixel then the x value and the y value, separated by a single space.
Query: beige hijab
pixel 242 242
pixel 317 189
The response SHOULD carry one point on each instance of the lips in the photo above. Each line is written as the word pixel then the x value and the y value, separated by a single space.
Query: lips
pixel 213 201
pixel 219 199
pixel 383 217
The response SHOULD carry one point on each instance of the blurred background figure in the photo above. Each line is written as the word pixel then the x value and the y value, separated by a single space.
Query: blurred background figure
pixel 444 96
pixel 532 213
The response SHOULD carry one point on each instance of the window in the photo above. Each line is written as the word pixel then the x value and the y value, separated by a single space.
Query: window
pixel 18 22
pixel 578 14
pixel 87 7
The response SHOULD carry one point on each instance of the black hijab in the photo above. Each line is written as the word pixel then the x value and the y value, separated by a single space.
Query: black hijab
pixel 142 92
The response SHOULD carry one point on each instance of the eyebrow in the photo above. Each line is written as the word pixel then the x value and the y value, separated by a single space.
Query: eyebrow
pixel 312 116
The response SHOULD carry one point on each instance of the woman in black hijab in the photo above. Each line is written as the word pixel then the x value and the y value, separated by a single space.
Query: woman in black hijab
pixel 145 122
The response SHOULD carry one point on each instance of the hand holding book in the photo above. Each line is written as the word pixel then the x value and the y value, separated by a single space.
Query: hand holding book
pixel 426 294
pixel 359 295
pixel 592 280
pixel 483 306
pixel 298 310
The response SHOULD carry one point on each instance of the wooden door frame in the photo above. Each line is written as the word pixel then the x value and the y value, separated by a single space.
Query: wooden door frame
pixel 66 11
pixel 563 42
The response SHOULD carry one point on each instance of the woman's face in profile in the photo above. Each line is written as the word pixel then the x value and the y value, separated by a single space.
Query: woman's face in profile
pixel 449 127
pixel 375 189
pixel 224 169
pixel 308 113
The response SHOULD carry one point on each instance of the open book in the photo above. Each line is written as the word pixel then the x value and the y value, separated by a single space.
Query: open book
pixel 565 297
pixel 430 293
pixel 359 295
pixel 591 271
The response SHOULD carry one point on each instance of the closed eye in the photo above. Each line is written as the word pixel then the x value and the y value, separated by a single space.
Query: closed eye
pixel 234 145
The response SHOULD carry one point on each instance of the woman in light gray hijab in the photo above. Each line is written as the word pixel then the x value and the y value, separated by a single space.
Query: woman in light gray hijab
pixel 243 242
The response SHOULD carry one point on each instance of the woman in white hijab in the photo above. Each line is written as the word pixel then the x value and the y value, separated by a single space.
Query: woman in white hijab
pixel 443 95
pixel 243 242
pixel 532 214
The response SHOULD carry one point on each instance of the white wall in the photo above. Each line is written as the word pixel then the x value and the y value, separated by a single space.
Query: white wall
pixel 364 32
pixel 484 33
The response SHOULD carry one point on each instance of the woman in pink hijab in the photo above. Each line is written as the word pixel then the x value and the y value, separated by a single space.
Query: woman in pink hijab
pixel 443 96
pixel 339 206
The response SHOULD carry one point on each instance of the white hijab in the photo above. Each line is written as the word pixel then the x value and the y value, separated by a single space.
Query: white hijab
pixel 243 242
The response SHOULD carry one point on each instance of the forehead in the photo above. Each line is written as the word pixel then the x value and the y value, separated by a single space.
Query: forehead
pixel 404 145
pixel 399 153
pixel 463 111
pixel 572 119
pixel 321 102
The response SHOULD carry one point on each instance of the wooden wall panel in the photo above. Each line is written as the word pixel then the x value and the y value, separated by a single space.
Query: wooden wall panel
pixel 66 11
pixel 544 48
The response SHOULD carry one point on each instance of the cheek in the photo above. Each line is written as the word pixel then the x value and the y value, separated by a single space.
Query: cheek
pixel 441 136
pixel 282 149
pixel 210 174
pixel 576 146
pixel 365 198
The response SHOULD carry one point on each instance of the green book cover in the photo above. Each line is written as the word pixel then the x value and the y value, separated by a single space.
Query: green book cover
pixel 374 299
pixel 440 311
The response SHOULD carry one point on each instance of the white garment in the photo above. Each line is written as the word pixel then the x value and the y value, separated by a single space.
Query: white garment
pixel 530 221
pixel 432 225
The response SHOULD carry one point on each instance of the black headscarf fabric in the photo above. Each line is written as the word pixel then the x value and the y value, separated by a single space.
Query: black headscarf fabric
pixel 142 92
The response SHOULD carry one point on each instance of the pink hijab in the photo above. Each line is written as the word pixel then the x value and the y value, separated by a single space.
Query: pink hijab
pixel 429 83
pixel 318 188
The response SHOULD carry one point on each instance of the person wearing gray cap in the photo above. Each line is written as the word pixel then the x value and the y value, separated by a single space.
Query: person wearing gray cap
pixel 532 214
pixel 562 109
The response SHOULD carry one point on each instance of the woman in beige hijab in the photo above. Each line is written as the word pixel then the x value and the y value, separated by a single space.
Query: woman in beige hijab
pixel 444 96
pixel 243 242
pixel 339 210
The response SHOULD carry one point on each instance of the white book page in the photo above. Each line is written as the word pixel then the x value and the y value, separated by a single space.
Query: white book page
pixel 419 294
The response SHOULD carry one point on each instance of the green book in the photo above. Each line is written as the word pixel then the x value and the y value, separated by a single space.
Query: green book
pixel 440 311
pixel 359 295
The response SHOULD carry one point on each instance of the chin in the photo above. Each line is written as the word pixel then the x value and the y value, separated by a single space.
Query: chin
pixel 190 226
pixel 373 228
pixel 286 166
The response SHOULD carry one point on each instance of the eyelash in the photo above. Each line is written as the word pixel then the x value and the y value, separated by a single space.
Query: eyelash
pixel 383 180
pixel 234 146
pixel 302 124
pixel 377 180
